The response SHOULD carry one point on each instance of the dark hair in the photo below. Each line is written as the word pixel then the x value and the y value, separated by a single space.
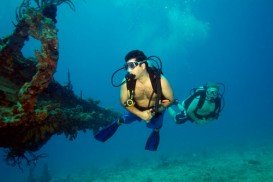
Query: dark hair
pixel 139 55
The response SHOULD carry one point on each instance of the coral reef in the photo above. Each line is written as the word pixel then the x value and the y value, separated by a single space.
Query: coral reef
pixel 33 106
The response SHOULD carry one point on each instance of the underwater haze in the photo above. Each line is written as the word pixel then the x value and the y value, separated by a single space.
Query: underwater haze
pixel 227 41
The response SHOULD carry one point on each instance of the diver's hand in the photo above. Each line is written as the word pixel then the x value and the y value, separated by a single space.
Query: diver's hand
pixel 202 121
pixel 147 115
pixel 161 108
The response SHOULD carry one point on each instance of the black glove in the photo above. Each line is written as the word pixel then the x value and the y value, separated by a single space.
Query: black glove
pixel 181 118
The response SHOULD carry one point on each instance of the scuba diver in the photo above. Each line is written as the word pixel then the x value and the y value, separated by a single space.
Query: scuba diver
pixel 145 93
pixel 203 105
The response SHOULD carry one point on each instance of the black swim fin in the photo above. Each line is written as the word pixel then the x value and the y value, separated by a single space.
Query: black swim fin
pixel 153 141
pixel 107 132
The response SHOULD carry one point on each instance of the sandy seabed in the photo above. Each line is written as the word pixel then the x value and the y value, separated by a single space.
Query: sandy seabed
pixel 248 163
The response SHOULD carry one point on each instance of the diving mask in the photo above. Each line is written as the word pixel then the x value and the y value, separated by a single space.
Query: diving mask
pixel 212 93
pixel 129 66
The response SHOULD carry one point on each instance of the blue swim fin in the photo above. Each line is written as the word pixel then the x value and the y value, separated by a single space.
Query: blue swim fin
pixel 153 141
pixel 107 132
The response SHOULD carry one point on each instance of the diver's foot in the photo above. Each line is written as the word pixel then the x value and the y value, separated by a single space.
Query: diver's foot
pixel 153 141
pixel 120 121
pixel 107 132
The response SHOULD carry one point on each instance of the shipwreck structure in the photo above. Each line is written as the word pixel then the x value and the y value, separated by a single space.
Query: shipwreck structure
pixel 33 106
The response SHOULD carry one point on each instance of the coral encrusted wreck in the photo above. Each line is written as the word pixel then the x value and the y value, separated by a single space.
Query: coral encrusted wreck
pixel 33 106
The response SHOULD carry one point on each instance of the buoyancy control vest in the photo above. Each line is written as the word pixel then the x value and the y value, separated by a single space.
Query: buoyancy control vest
pixel 201 92
pixel 155 77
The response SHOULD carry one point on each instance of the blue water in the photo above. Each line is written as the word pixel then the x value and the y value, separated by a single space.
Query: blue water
pixel 226 41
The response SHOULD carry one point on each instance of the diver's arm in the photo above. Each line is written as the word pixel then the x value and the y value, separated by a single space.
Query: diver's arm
pixel 167 91
pixel 191 109
pixel 124 95
pixel 180 106
pixel 172 112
